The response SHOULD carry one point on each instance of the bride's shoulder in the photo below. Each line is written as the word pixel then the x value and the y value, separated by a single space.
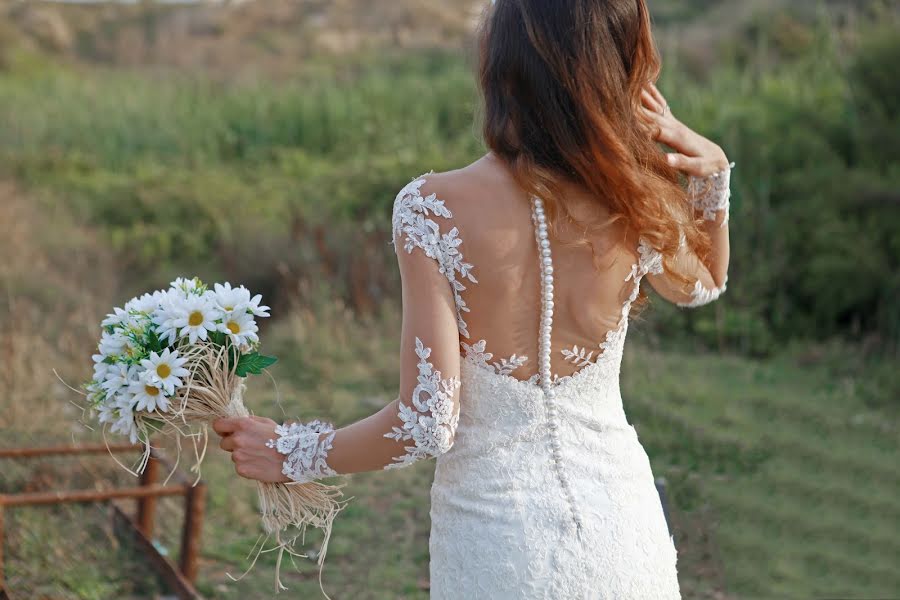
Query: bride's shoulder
pixel 465 192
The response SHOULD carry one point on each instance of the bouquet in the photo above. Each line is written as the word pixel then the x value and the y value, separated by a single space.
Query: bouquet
pixel 173 360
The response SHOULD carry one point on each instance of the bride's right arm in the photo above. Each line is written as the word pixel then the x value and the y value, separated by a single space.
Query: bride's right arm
pixel 709 181
pixel 421 422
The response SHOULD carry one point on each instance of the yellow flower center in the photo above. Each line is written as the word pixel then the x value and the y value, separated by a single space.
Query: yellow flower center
pixel 233 327
pixel 229 308
pixel 163 370
pixel 151 391
pixel 195 319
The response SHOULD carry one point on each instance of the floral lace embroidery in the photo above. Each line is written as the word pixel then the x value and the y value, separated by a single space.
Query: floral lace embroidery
pixel 578 356
pixel 712 194
pixel 505 366
pixel 649 261
pixel 430 421
pixel 306 450
pixel 409 218
pixel 701 295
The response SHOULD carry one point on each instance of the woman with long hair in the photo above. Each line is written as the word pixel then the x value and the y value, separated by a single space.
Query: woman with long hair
pixel 519 273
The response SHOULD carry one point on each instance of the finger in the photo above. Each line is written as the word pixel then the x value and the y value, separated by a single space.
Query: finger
pixel 686 164
pixel 667 129
pixel 227 443
pixel 657 95
pixel 226 425
pixel 650 102
pixel 652 123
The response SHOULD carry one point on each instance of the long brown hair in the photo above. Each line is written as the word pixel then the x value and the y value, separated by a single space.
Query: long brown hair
pixel 562 82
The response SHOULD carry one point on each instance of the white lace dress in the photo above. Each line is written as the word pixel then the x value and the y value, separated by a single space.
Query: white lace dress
pixel 542 489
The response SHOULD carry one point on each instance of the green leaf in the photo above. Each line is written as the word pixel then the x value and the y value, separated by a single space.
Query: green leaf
pixel 218 338
pixel 154 344
pixel 253 363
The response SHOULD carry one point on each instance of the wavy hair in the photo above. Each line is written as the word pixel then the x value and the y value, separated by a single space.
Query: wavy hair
pixel 561 82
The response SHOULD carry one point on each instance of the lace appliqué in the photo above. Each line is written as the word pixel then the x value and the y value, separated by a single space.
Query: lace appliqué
pixel 430 420
pixel 411 210
pixel 306 450
pixel 650 261
pixel 712 194
pixel 505 366
pixel 580 357
pixel 702 295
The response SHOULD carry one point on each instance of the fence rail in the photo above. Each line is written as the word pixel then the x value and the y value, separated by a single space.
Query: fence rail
pixel 180 578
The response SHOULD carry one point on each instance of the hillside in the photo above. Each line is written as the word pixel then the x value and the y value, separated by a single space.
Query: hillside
pixel 272 36
pixel 263 141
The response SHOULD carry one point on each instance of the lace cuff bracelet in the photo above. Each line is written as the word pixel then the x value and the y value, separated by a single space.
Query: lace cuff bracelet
pixel 711 194
pixel 305 449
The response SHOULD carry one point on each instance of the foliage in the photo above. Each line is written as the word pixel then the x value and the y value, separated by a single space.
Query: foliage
pixel 180 172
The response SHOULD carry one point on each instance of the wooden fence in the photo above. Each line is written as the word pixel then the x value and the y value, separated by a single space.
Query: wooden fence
pixel 180 578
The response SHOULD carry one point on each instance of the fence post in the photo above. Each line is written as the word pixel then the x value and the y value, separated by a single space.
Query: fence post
pixel 147 505
pixel 2 580
pixel 195 504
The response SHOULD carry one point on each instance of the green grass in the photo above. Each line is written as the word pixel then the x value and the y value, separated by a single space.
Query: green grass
pixel 816 511
pixel 782 470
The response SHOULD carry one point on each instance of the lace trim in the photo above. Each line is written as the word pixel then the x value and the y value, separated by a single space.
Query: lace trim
pixel 306 450
pixel 712 194
pixel 410 213
pixel 649 261
pixel 505 366
pixel 701 295
pixel 430 421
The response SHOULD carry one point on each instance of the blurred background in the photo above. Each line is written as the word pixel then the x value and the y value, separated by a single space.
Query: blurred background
pixel 263 142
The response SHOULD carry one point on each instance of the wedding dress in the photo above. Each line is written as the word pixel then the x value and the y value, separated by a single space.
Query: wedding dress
pixel 542 489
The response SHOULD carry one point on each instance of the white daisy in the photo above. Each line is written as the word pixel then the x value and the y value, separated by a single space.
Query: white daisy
pixel 168 369
pixel 186 286
pixel 195 316
pixel 230 299
pixel 240 327
pixel 164 317
pixel 112 344
pixel 119 377
pixel 256 309
pixel 107 412
pixel 117 317
pixel 101 367
pixel 125 424
pixel 146 304
pixel 189 316
pixel 147 393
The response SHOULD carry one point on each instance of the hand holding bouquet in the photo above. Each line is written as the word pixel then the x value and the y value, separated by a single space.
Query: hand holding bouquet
pixel 171 361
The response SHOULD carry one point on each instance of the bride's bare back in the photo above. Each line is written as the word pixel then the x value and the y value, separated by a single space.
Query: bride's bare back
pixel 494 219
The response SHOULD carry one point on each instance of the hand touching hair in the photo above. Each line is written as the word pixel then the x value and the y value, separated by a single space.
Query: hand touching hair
pixel 563 86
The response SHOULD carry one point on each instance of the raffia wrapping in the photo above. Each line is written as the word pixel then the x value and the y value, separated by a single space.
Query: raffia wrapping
pixel 214 390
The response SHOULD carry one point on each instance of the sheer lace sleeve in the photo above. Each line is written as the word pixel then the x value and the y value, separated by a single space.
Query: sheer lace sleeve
pixel 421 422
pixel 711 199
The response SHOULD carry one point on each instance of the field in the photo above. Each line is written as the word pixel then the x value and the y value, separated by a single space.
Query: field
pixel 773 415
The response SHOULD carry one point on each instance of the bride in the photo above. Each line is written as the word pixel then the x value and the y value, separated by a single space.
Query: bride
pixel 519 272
